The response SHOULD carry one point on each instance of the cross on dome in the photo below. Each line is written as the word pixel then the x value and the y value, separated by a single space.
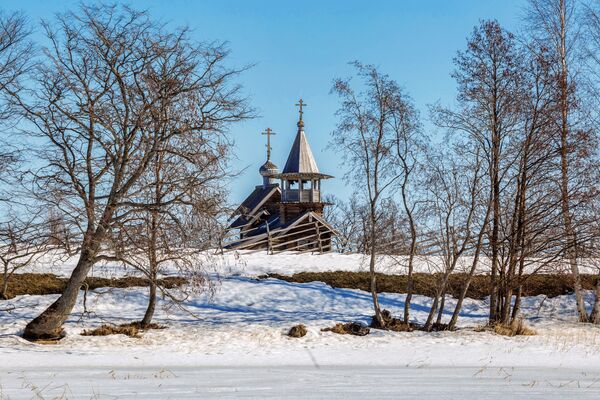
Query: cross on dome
pixel 268 132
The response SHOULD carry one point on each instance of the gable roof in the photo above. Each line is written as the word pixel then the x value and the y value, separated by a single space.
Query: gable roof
pixel 253 202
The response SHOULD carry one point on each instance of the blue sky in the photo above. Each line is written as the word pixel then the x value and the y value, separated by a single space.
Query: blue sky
pixel 299 47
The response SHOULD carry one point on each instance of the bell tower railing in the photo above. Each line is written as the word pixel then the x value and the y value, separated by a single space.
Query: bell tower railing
pixel 301 196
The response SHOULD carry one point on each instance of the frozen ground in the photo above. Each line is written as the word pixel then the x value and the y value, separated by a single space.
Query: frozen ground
pixel 232 345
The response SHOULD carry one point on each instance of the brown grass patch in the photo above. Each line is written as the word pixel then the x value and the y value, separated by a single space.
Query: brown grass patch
pixel 297 331
pixel 132 329
pixel 516 328
pixel 349 328
pixel 105 330
pixel 42 284
pixel 551 285
pixel 390 323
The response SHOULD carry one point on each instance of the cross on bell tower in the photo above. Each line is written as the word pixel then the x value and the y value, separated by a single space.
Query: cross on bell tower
pixel 301 104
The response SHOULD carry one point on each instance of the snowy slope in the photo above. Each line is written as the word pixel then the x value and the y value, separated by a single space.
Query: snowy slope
pixel 231 344
pixel 257 263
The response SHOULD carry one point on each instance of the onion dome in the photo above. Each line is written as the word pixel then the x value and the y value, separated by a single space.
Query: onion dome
pixel 268 169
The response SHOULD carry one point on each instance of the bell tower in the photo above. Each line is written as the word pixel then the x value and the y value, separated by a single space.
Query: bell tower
pixel 300 178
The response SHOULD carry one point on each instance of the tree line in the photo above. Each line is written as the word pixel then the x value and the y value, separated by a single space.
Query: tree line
pixel 512 185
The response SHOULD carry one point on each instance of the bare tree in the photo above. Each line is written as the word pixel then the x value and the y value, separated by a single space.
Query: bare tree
pixel 555 25
pixel 373 124
pixel 592 50
pixel 161 228
pixel 15 61
pixel 455 187
pixel 92 102
pixel 24 239
pixel 349 219
pixel 488 88
pixel 409 145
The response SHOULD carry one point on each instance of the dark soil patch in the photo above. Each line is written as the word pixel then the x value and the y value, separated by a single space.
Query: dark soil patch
pixel 132 329
pixel 42 284
pixel 551 285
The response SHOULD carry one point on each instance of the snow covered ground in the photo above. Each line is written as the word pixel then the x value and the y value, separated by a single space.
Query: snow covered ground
pixel 232 344
pixel 256 263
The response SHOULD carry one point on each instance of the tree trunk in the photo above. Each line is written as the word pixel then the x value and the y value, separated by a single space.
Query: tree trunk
pixel 595 316
pixel 465 289
pixel 4 294
pixel 153 260
pixel 434 306
pixel 463 294
pixel 437 307
pixel 494 240
pixel 151 305
pixel 378 316
pixel 409 288
pixel 411 256
pixel 438 321
pixel 571 250
pixel 48 325
pixel 517 307
pixel 372 250
pixel 5 277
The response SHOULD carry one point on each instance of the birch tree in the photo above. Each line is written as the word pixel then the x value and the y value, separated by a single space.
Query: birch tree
pixel 488 97
pixel 555 25
pixel 377 121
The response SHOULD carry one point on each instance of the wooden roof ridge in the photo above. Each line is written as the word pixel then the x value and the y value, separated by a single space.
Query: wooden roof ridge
pixel 301 159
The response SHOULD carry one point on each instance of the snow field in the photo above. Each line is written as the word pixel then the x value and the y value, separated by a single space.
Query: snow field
pixel 232 344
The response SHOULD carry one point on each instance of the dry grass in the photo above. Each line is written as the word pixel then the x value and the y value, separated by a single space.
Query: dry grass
pixel 516 328
pixel 551 285
pixel 42 284
pixel 132 329
pixel 349 328
pixel 297 331
pixel 390 323
pixel 105 330
pixel 339 328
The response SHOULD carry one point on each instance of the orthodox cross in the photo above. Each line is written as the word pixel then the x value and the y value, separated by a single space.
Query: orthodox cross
pixel 301 104
pixel 268 132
